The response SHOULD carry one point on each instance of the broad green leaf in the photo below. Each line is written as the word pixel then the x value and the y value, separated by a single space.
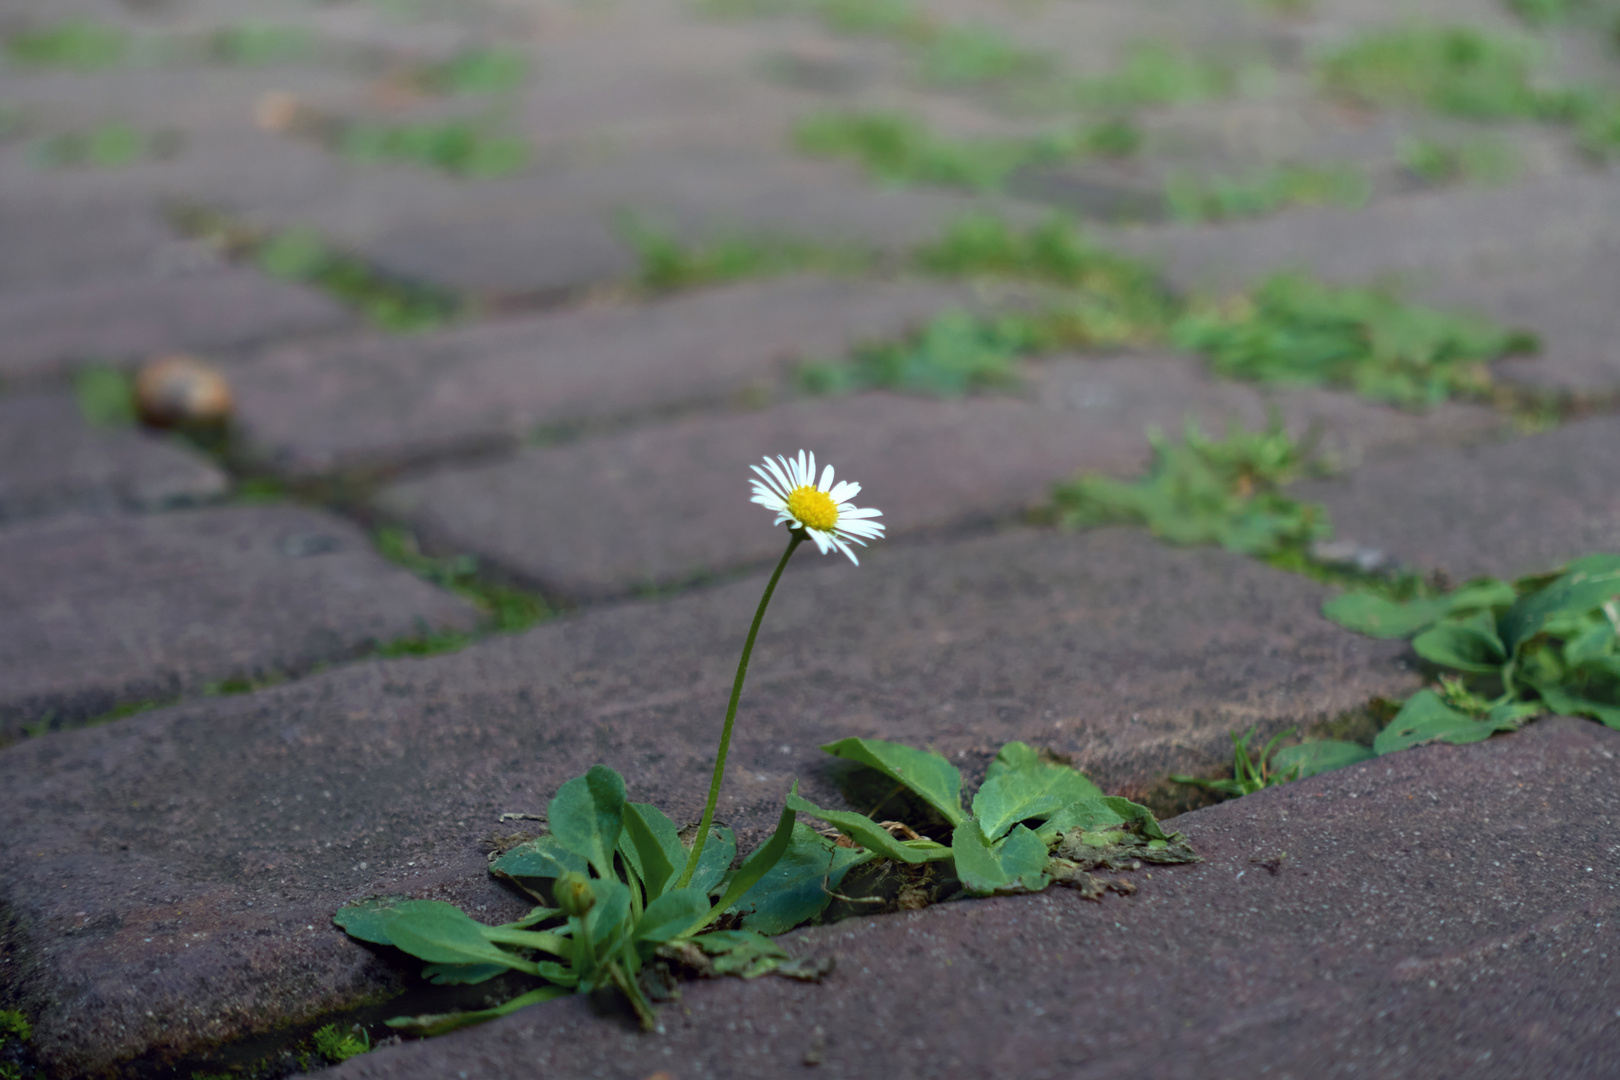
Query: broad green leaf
pixel 931 777
pixel 1088 814
pixel 763 858
pixel 1020 785
pixel 677 912
pixel 587 815
pixel 1377 616
pixel 1425 719
pixel 656 844
pixel 450 937
pixel 462 974
pixel 542 857
pixel 439 1023
pixel 608 921
pixel 741 952
pixel 1016 864
pixel 865 832
pixel 1464 645
pixel 1589 583
pixel 1318 757
pixel 717 857
pixel 369 920
pixel 792 891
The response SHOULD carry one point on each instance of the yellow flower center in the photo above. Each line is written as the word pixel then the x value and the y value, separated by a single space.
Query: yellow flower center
pixel 814 508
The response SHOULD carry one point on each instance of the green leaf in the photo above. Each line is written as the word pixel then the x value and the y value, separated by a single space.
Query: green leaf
pixel 741 952
pixel 1319 757
pixel 587 815
pixel 448 936
pixel 439 1023
pixel 608 921
pixel 1425 719
pixel 717 857
pixel 369 920
pixel 1014 865
pixel 1377 616
pixel 1103 813
pixel 677 912
pixel 462 974
pixel 1021 785
pixel 542 857
pixel 1469 644
pixel 792 891
pixel 866 832
pixel 763 858
pixel 652 845
pixel 1586 584
pixel 930 776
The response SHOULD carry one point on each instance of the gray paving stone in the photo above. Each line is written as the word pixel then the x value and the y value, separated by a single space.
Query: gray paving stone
pixel 378 400
pixel 1544 255
pixel 1447 912
pixel 137 847
pixel 51 460
pixel 659 505
pixel 1504 508
pixel 124 319
pixel 95 611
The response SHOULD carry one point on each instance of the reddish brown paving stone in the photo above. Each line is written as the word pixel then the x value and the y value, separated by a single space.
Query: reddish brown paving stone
pixel 1506 508
pixel 662 504
pixel 126 319
pixel 51 460
pixel 1445 912
pixel 100 610
pixel 377 400
pixel 387 776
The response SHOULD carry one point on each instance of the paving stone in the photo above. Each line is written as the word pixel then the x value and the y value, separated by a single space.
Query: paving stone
pixel 51 460
pixel 1446 912
pixel 123 319
pixel 1544 255
pixel 380 400
pixel 556 229
pixel 137 847
pixel 1503 508
pixel 660 505
pixel 95 611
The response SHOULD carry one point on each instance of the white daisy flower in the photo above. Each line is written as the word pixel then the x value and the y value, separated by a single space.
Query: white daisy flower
pixel 788 486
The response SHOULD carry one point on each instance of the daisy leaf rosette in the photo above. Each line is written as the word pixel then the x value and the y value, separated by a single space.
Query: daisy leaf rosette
pixel 823 510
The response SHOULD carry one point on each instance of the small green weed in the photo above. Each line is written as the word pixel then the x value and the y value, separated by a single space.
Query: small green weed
pixel 13 1025
pixel 76 44
pixel 899 150
pixel 1294 331
pixel 303 255
pixel 1208 491
pixel 457 147
pixel 508 609
pixel 1455 71
pixel 478 71
pixel 1276 764
pixel 667 264
pixel 1544 643
pixel 955 353
pixel 261 45
pixel 338 1046
pixel 873 18
pixel 1597 124
pixel 1154 73
pixel 1475 161
pixel 106 396
pixel 1114 138
pixel 108 146
pixel 1545 14
pixel 977 56
pixel 1217 198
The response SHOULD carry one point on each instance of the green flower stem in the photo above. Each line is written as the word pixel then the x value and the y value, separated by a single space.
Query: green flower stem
pixel 796 537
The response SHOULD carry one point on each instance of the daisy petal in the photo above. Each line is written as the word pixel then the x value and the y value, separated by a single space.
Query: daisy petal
pixel 826 480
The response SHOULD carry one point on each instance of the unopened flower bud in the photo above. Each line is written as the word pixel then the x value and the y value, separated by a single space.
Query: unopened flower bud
pixel 574 894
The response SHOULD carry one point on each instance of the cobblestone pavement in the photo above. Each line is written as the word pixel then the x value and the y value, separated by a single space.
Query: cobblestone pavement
pixel 508 294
